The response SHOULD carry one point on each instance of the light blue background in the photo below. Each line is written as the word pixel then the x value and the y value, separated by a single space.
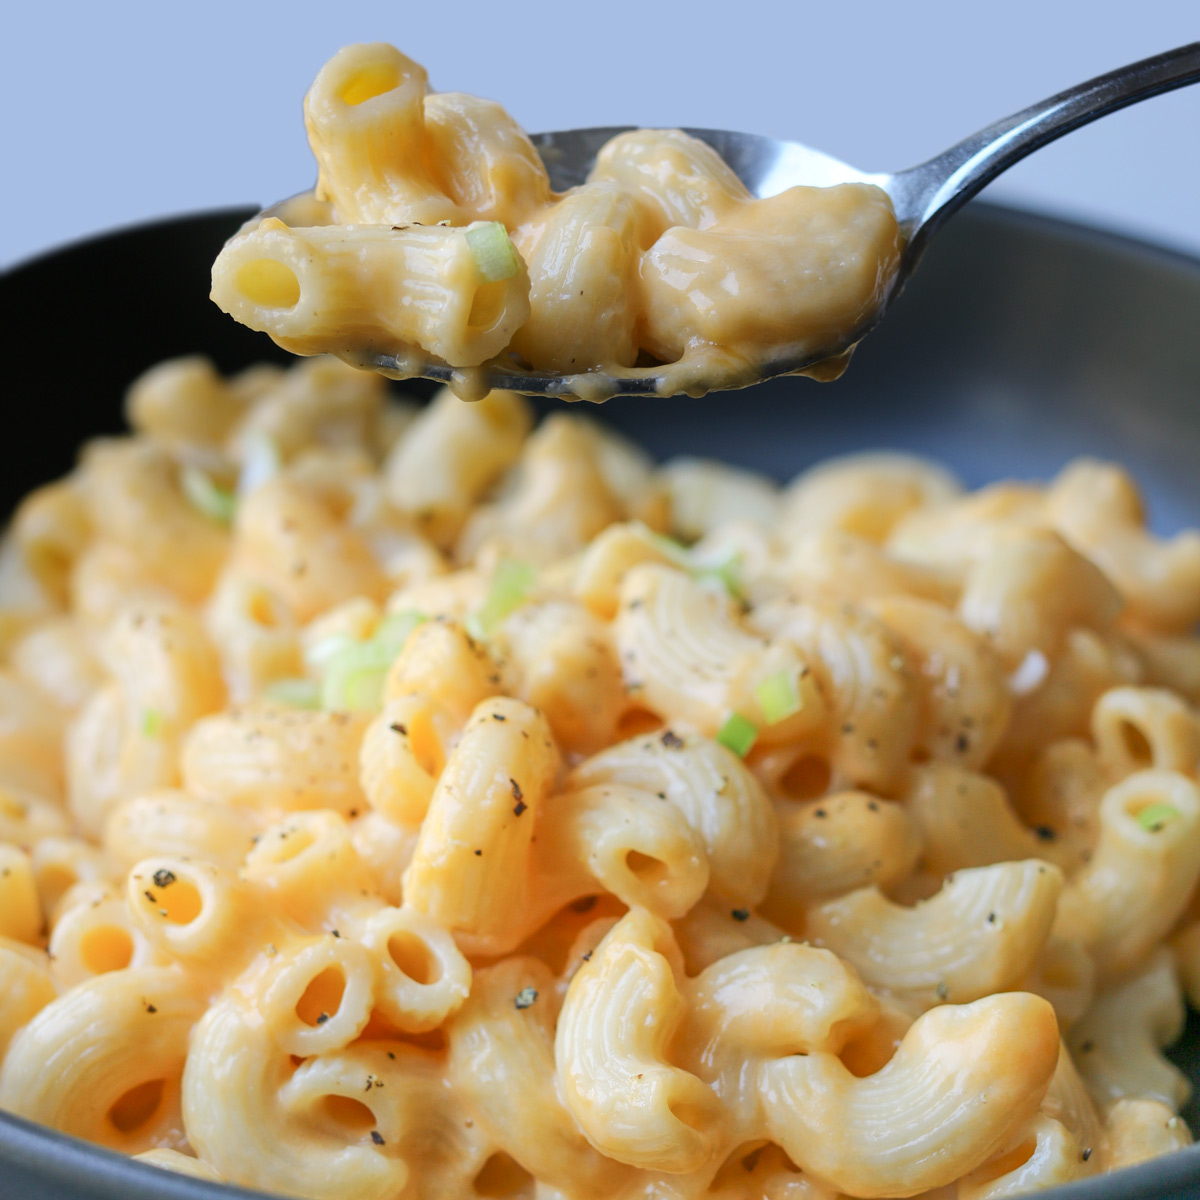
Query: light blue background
pixel 119 111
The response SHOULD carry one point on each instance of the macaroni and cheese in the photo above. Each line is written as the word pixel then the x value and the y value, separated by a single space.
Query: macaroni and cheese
pixel 405 803
pixel 433 236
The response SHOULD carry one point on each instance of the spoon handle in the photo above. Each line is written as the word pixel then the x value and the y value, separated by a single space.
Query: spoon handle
pixel 927 194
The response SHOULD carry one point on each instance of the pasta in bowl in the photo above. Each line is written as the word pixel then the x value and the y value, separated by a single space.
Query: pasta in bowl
pixel 405 803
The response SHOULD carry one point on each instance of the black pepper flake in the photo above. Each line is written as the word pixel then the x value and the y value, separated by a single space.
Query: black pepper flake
pixel 1087 1153
pixel 322 1018
pixel 587 957
pixel 478 853
pixel 872 806
pixel 391 1055
pixel 740 914
pixel 163 878
pixel 1087 1047
pixel 943 991
pixel 335 933
pixel 962 743
pixel 151 897
pixel 516 790
pixel 820 812
pixel 991 918
pixel 525 997
pixel 672 740
pixel 377 1138
pixel 151 1009
pixel 661 795
pixel 1045 833
pixel 402 730
pixel 499 717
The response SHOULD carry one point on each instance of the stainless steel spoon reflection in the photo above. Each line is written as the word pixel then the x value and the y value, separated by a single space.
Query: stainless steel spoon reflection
pixel 923 196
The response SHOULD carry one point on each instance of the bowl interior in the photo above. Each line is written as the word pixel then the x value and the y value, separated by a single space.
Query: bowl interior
pixel 1020 343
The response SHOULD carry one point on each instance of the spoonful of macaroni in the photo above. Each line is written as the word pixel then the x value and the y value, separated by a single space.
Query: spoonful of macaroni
pixel 442 241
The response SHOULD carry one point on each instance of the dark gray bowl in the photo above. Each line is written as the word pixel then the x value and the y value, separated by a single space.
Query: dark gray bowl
pixel 1021 342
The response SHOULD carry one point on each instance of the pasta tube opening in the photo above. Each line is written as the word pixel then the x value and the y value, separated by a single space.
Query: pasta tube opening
pixel 106 948
pixel 368 80
pixel 269 283
pixel 412 958
pixel 138 1107
pixel 322 998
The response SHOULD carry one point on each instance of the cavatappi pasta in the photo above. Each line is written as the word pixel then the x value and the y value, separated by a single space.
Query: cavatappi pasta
pixel 407 803
pixel 433 236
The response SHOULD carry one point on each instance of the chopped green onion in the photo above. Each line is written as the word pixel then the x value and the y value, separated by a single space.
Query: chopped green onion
pixel 355 672
pixel 724 573
pixel 294 693
pixel 321 653
pixel 261 461
pixel 676 551
pixel 1154 816
pixel 215 502
pixel 353 686
pixel 394 630
pixel 510 587
pixel 151 722
pixel 491 247
pixel 354 679
pixel 777 697
pixel 738 734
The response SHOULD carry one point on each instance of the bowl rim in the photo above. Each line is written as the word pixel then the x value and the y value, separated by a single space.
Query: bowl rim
pixel 89 1170
pixel 1049 219
pixel 94 1172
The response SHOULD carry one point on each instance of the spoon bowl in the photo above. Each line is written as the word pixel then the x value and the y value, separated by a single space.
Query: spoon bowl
pixel 923 198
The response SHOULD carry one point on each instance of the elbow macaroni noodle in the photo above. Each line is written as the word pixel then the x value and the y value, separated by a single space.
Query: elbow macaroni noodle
pixel 399 812
pixel 433 235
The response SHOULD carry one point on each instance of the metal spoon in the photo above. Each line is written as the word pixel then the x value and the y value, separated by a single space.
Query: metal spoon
pixel 924 197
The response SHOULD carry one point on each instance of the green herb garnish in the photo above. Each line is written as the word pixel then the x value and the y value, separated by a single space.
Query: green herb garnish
pixel 778 697
pixel 738 734
pixel 207 497
pixel 495 256
pixel 294 693
pixel 510 588
pixel 1154 816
